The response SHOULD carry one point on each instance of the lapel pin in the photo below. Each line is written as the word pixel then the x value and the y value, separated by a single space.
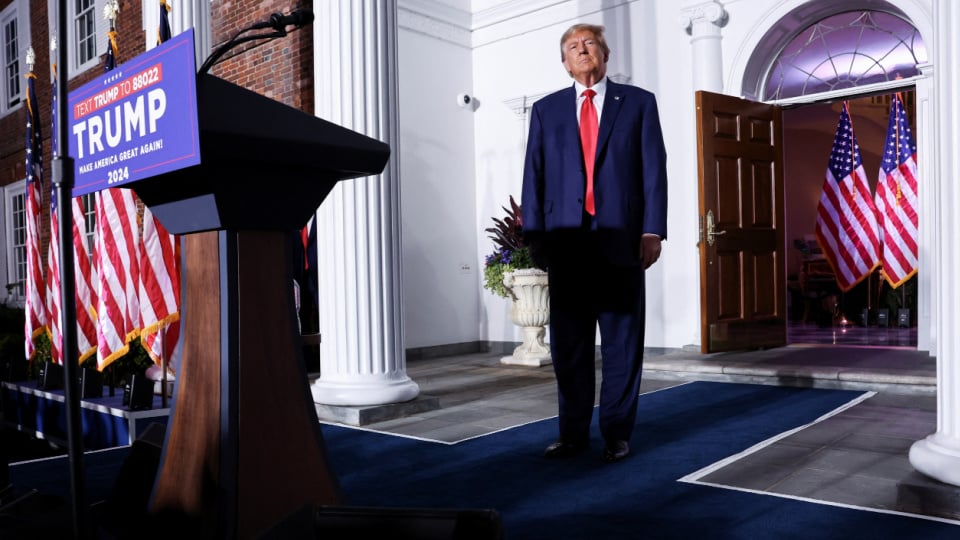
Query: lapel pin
pixel 616 98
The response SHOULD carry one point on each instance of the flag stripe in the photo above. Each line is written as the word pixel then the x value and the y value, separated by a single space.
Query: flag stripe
pixel 86 297
pixel 53 289
pixel 159 288
pixel 35 310
pixel 846 214
pixel 117 245
pixel 855 249
pixel 896 199
pixel 159 270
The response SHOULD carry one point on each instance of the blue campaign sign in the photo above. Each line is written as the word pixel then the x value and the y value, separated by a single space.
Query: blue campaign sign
pixel 136 121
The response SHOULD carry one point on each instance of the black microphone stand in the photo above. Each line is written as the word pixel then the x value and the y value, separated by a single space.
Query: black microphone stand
pixel 63 177
pixel 237 40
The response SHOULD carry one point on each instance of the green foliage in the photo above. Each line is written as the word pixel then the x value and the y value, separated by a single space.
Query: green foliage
pixel 136 361
pixel 41 354
pixel 509 254
pixel 501 262
pixel 12 323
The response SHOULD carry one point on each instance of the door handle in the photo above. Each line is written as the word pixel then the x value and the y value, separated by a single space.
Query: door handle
pixel 711 229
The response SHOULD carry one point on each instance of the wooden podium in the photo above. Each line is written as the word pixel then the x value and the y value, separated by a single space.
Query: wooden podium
pixel 243 447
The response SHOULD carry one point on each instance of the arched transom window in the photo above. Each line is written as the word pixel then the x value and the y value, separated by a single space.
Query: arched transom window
pixel 843 51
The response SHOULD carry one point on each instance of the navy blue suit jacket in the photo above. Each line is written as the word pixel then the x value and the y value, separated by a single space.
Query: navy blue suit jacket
pixel 630 176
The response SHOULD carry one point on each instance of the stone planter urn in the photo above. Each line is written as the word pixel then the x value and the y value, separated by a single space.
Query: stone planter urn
pixel 529 309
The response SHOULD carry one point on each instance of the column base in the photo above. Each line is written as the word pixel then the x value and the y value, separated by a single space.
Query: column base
pixel 369 414
pixel 360 392
pixel 937 456
pixel 527 360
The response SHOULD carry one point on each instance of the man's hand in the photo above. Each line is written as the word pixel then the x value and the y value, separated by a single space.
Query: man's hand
pixel 649 249
pixel 538 252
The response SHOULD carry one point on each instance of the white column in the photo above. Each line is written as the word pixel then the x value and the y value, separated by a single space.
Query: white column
pixel 358 226
pixel 925 91
pixel 192 14
pixel 702 22
pixel 938 455
pixel 183 14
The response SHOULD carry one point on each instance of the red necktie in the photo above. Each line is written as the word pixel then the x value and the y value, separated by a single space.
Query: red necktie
pixel 588 140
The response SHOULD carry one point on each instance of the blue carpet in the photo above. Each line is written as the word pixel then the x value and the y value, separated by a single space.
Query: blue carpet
pixel 679 431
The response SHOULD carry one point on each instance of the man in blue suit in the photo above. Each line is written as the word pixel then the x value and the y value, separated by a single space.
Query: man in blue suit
pixel 594 210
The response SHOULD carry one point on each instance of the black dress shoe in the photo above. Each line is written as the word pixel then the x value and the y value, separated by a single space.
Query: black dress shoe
pixel 564 449
pixel 615 451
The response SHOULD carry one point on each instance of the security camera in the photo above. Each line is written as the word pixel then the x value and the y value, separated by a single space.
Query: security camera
pixel 464 100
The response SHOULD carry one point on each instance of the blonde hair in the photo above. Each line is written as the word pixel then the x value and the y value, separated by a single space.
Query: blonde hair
pixel 597 31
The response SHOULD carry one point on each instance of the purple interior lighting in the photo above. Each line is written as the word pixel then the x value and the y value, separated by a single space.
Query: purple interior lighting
pixel 846 50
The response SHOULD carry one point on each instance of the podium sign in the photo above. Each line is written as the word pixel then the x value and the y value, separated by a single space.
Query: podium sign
pixel 136 121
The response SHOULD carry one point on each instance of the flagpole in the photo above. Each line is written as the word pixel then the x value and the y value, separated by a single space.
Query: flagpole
pixel 62 177
pixel 899 104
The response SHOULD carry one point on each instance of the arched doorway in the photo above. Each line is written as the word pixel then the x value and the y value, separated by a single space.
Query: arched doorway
pixel 819 55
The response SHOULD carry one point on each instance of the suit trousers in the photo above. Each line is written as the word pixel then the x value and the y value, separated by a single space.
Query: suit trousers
pixel 586 291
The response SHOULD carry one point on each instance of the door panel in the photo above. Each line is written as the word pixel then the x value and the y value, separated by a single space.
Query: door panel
pixel 742 264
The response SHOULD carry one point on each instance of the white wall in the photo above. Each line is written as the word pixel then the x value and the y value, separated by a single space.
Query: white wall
pixel 440 268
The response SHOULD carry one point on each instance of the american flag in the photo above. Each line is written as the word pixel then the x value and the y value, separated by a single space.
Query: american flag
pixel 118 309
pixel 86 296
pixel 159 289
pixel 53 286
pixel 163 31
pixel 116 250
pixel 896 199
pixel 110 61
pixel 159 270
pixel 846 216
pixel 35 308
pixel 53 253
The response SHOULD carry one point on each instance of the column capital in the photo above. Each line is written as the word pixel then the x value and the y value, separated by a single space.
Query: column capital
pixel 704 13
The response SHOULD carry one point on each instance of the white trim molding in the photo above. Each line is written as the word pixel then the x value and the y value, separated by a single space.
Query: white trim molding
pixel 435 19
pixel 711 13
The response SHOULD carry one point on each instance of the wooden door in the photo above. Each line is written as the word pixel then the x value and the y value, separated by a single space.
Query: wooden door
pixel 742 253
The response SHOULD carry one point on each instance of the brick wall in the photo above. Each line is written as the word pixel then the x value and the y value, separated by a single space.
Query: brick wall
pixel 13 125
pixel 281 70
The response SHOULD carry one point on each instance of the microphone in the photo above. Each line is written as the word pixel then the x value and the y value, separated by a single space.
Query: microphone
pixel 298 18
pixel 279 21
